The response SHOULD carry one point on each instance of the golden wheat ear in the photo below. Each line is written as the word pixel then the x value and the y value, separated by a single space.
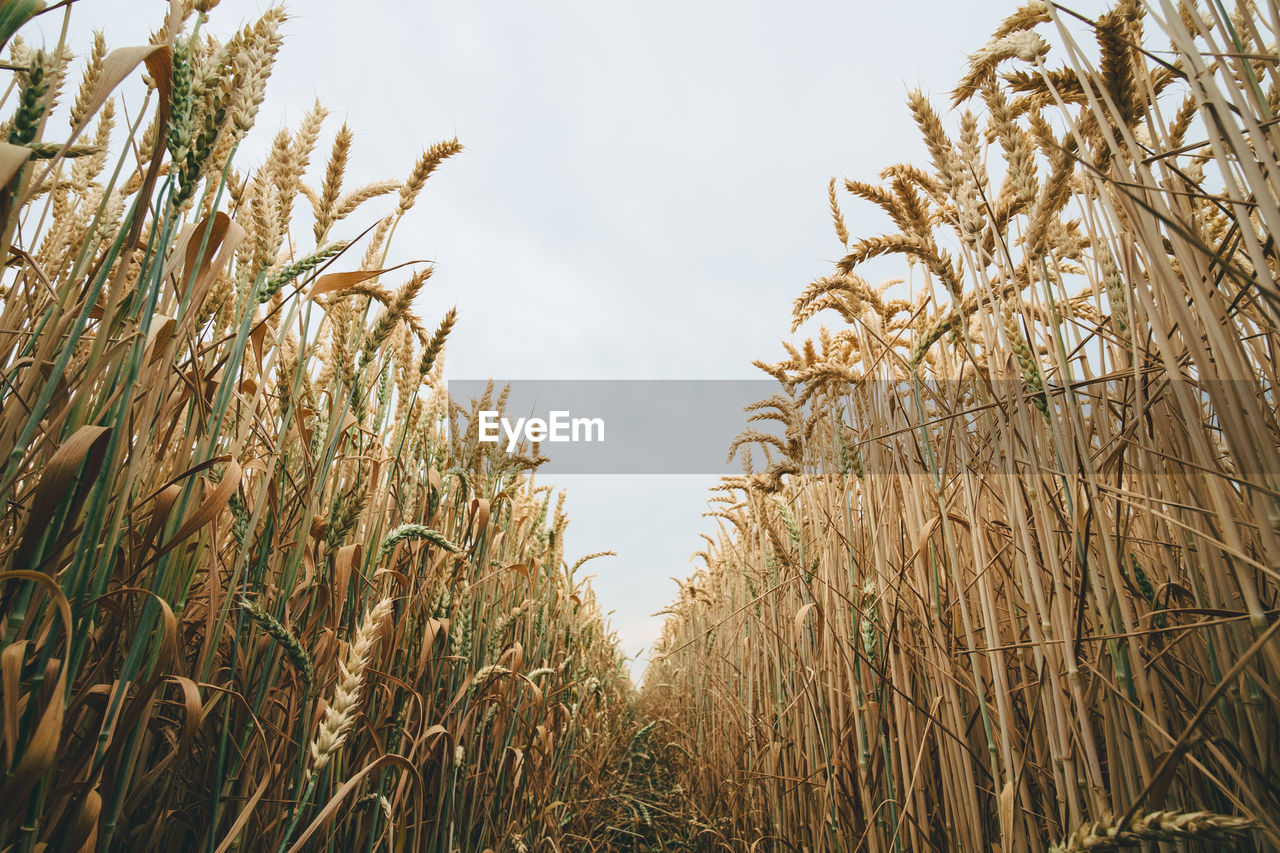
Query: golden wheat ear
pixel 340 712
pixel 1110 833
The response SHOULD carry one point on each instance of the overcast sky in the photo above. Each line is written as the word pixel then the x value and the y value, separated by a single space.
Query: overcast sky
pixel 642 196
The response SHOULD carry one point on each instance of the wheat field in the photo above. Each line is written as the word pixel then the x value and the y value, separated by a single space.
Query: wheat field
pixel 1000 572
pixel 1007 578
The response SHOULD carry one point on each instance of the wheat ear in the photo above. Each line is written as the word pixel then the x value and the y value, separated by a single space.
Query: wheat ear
pixel 1108 834
pixel 340 714
pixel 284 637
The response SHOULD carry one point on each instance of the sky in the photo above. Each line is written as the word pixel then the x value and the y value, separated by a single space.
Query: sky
pixel 642 194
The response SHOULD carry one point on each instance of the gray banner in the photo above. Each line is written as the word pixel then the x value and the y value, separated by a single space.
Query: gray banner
pixel 675 426
pixel 630 426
